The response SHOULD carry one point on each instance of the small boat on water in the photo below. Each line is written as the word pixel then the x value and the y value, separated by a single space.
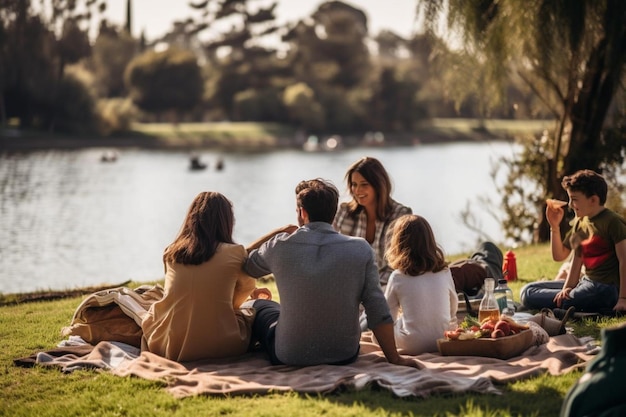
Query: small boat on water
pixel 195 164
pixel 108 156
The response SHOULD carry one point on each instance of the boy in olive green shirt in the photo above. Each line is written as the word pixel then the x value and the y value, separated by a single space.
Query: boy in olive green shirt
pixel 598 239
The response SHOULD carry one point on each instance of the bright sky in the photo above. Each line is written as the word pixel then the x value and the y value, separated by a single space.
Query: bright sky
pixel 155 17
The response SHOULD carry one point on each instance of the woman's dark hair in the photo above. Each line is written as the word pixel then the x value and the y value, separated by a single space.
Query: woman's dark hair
pixel 208 223
pixel 412 248
pixel 373 171
pixel 319 198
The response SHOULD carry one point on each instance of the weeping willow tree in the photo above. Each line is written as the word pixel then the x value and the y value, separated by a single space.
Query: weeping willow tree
pixel 571 54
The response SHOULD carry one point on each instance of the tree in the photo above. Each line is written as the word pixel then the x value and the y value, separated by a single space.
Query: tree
pixel 165 81
pixel 243 70
pixel 330 48
pixel 303 107
pixel 111 53
pixel 36 44
pixel 329 54
pixel 572 54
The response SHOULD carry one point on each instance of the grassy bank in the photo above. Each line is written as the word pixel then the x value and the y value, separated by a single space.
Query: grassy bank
pixel 33 326
pixel 250 135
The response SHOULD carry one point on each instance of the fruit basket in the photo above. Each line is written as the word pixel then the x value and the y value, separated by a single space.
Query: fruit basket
pixel 501 348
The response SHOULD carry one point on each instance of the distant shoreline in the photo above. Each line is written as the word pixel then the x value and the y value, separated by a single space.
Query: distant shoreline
pixel 258 136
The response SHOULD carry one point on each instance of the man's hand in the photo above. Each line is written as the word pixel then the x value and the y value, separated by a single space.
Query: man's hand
pixel 385 338
pixel 406 361
pixel 289 228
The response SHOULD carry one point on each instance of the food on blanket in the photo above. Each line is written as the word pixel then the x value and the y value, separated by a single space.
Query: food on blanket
pixel 469 322
pixel 515 326
pixel 462 334
pixel 489 328
pixel 497 333
pixel 502 326
pixel 555 204
pixel 488 325
pixel 451 334
pixel 469 335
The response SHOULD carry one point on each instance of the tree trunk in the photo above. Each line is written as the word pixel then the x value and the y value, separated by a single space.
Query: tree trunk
pixel 587 116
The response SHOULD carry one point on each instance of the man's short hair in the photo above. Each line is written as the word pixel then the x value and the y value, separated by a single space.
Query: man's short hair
pixel 319 198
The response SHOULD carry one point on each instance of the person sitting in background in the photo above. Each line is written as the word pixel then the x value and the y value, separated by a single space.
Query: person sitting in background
pixel 420 291
pixel 469 274
pixel 597 240
pixel 371 212
pixel 199 315
pixel 322 278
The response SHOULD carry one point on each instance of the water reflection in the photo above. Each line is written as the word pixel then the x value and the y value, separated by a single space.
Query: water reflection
pixel 68 220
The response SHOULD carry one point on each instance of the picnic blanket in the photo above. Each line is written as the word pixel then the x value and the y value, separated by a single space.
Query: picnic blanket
pixel 253 374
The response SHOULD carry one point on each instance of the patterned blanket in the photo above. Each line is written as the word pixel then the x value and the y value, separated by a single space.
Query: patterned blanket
pixel 252 373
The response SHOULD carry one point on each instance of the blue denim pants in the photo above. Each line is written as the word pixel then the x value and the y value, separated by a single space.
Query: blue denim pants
pixel 587 296
pixel 264 327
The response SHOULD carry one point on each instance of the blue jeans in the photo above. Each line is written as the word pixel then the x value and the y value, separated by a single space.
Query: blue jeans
pixel 264 327
pixel 587 296
pixel 264 330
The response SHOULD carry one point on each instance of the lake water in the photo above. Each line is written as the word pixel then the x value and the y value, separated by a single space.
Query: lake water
pixel 68 220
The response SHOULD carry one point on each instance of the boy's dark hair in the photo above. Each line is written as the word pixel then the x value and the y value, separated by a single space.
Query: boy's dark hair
pixel 588 182
pixel 319 198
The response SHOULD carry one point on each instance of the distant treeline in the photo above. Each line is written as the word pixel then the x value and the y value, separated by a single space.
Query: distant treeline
pixel 326 73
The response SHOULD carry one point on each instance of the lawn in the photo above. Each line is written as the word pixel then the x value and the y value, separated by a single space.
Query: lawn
pixel 33 326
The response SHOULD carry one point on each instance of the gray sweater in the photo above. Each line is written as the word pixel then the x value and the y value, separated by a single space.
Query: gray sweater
pixel 322 278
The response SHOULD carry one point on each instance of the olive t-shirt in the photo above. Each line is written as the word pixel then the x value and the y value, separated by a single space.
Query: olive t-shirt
pixel 596 238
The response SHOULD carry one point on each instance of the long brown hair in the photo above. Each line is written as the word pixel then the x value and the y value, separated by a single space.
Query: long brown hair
pixel 373 171
pixel 413 249
pixel 208 223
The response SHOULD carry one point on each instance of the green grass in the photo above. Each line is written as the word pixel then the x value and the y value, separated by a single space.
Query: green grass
pixel 224 134
pixel 493 125
pixel 29 327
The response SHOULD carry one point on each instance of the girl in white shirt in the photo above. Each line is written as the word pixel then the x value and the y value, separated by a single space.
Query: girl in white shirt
pixel 420 291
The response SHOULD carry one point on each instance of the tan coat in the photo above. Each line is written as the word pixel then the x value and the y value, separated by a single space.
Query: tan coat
pixel 198 316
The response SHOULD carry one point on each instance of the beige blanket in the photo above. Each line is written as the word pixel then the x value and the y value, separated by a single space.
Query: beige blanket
pixel 252 373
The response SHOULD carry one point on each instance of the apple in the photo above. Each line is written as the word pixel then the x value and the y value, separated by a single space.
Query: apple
pixel 451 334
pixel 504 326
pixel 497 333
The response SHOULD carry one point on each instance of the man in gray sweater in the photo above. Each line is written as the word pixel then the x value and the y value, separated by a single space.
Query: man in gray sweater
pixel 322 278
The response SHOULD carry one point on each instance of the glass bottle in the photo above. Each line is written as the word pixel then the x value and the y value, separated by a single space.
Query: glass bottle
pixel 488 305
pixel 504 298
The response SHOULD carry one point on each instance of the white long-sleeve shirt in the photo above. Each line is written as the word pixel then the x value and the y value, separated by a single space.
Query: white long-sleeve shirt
pixel 423 307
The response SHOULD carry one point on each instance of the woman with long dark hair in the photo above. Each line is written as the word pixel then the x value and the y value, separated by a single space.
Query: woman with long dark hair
pixel 371 212
pixel 199 315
